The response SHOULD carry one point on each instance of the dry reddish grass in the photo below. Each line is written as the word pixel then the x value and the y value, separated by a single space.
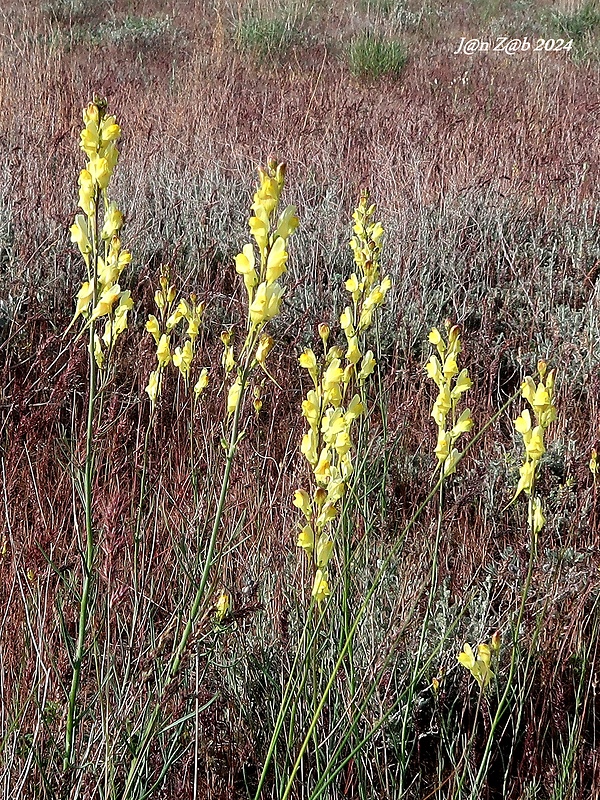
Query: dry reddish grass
pixel 523 129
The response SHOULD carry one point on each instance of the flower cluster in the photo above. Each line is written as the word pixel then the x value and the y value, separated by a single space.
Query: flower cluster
pixel 333 404
pixel 162 329
pixel 540 398
pixel 451 384
pixel 101 295
pixel 479 662
pixel 261 276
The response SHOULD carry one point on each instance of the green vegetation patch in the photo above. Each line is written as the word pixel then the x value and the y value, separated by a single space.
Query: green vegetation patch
pixel 374 56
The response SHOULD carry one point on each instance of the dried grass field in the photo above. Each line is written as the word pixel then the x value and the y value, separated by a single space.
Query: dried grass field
pixel 252 545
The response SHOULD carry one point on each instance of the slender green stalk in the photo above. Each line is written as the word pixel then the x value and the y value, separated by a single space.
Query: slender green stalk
pixel 88 559
pixel 231 451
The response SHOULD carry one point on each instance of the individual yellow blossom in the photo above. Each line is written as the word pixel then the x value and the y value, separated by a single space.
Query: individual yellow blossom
pixel 478 663
pixel 87 193
pixel 107 300
pixel 276 260
pixel 308 360
pixel 222 606
pixel 79 235
pixel 367 366
pixel 288 222
pixel 153 327
pixel 306 539
pixel 594 464
pixel 265 345
pixel 302 501
pixel 182 358
pixel 113 222
pixel 163 351
pixel 201 383
pixel 233 396
pixel 320 587
pixel 266 303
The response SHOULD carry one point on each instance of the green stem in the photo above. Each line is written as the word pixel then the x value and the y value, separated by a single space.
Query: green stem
pixel 88 560
pixel 233 443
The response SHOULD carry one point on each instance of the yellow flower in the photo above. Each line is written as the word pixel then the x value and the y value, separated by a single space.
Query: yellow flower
pixel 233 396
pixel 182 358
pixel 87 193
pixel 308 361
pixel 244 265
pixel 594 464
pixel 84 298
pixel 367 366
pixel 98 353
pixel 306 539
pixel 320 589
pixel 153 386
pixel 222 606
pixel 324 550
pixel 153 327
pixel 353 354
pixel 201 383
pixel 265 346
pixel 288 222
pixel 266 302
pixel 276 260
pixel 302 501
pixel 79 235
pixel 163 352
pixel 99 170
pixel 107 300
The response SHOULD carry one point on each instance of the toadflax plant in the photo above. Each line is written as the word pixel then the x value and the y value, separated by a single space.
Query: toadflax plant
pixel 103 305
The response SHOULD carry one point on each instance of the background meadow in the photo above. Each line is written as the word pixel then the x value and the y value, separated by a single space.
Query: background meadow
pixel 485 174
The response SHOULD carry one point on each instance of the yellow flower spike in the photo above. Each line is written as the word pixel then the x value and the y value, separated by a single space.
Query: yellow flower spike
pixel 163 351
pixel 367 366
pixel 320 589
pixel 302 501
pixel 265 346
pixel 308 361
pixel 201 383
pixel 306 540
pixel 233 396
pixel 276 261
